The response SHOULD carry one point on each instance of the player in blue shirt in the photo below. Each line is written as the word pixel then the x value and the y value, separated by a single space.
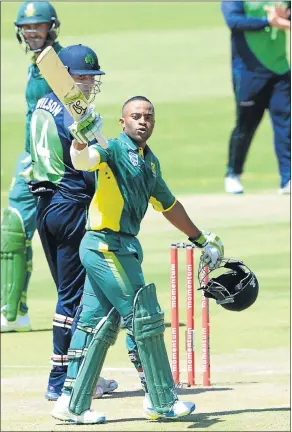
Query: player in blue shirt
pixel 64 196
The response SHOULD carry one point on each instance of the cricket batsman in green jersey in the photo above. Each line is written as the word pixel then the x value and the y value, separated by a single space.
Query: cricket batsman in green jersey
pixel 37 26
pixel 128 177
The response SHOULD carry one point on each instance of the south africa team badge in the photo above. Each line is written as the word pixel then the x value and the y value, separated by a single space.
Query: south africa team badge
pixel 134 158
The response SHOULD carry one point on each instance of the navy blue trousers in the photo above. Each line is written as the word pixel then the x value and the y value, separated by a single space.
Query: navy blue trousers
pixel 61 227
pixel 254 95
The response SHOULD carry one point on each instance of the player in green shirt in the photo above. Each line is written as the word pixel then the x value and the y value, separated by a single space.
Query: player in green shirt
pixel 37 26
pixel 261 82
pixel 128 177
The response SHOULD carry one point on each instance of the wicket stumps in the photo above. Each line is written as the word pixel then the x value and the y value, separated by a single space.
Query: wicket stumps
pixel 190 324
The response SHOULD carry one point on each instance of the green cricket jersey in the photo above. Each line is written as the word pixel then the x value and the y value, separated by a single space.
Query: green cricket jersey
pixel 256 46
pixel 269 46
pixel 50 151
pixel 36 88
pixel 128 178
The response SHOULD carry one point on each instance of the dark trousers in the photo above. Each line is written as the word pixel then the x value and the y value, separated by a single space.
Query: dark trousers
pixel 61 227
pixel 254 94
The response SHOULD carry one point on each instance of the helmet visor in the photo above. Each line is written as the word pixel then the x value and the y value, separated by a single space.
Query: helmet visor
pixel 89 85
pixel 226 284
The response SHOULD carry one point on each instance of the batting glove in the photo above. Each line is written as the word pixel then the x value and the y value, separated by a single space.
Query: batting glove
pixel 213 249
pixel 88 128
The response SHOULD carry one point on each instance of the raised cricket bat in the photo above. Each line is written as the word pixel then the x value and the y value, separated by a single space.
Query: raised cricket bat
pixel 64 86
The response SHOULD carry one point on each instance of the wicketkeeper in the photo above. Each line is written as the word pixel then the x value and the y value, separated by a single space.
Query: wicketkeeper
pixel 128 178
pixel 37 26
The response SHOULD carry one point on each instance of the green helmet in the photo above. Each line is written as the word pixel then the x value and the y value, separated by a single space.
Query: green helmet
pixel 37 12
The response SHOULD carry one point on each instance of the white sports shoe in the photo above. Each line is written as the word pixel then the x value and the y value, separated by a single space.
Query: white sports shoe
pixel 61 412
pixel 286 189
pixel 21 324
pixel 233 185
pixel 179 409
pixel 104 386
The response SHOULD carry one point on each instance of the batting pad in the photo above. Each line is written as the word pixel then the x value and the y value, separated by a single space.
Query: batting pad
pixel 105 335
pixel 13 262
pixel 148 328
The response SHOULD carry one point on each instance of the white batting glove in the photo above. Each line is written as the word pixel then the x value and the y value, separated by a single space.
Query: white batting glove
pixel 213 249
pixel 88 127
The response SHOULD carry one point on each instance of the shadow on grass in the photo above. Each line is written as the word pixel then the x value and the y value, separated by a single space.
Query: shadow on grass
pixel 180 391
pixel 203 420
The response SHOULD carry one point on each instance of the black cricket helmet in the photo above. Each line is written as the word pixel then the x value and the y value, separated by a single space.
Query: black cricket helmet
pixel 236 289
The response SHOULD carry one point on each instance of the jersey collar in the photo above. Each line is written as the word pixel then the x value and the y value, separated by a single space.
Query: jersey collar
pixel 125 138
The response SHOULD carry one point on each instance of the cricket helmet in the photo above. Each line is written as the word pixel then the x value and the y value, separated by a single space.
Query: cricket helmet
pixel 37 12
pixel 80 60
pixel 236 289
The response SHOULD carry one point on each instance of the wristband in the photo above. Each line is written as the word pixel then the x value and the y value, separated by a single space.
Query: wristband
pixel 199 241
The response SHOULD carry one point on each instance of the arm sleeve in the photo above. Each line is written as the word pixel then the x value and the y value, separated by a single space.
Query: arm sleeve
pixel 27 131
pixel 28 116
pixel 67 121
pixel 88 159
pixel 236 19
pixel 161 198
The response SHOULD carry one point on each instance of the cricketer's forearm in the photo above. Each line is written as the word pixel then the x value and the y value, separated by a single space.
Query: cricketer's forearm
pixel 83 157
pixel 178 217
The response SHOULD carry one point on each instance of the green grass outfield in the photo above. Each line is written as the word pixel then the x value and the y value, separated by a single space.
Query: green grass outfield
pixel 176 54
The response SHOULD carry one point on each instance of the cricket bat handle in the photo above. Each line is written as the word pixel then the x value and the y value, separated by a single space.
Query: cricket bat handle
pixel 102 141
